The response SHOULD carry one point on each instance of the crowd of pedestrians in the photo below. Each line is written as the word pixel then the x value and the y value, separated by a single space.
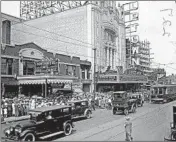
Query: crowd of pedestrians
pixel 20 106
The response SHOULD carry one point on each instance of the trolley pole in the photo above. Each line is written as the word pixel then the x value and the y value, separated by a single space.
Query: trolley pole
pixel 94 49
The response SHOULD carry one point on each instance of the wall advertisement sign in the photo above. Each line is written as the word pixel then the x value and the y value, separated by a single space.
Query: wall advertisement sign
pixel 122 78
pixel 130 78
pixel 107 78
pixel 47 67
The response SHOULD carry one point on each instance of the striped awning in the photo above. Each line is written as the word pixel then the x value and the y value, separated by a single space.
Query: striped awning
pixel 59 81
pixel 32 81
pixel 43 81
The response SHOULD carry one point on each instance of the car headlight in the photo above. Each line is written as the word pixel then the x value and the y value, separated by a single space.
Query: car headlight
pixel 11 129
pixel 7 132
pixel 18 130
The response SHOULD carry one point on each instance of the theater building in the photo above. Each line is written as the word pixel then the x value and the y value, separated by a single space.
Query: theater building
pixel 129 80
pixel 96 24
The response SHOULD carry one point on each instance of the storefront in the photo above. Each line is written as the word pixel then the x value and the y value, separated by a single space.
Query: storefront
pixel 114 81
pixel 9 86
pixel 43 85
pixel 28 69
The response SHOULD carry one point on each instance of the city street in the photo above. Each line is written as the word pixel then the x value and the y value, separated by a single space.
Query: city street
pixel 152 122
pixel 105 126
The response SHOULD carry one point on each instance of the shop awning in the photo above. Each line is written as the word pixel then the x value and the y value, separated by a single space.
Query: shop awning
pixel 59 81
pixel 32 81
pixel 9 81
pixel 43 81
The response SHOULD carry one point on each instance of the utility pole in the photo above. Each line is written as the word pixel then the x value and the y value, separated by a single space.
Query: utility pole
pixel 130 39
pixel 94 49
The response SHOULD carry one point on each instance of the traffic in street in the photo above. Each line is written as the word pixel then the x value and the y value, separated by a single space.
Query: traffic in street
pixel 99 117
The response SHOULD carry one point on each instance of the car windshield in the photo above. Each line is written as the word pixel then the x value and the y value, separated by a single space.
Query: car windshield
pixel 34 115
pixel 118 95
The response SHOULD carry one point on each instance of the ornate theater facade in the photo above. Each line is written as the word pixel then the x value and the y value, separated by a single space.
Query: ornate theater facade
pixel 77 31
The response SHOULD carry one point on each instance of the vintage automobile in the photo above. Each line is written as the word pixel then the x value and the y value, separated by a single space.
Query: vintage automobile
pixel 172 136
pixel 45 122
pixel 138 96
pixel 80 108
pixel 122 102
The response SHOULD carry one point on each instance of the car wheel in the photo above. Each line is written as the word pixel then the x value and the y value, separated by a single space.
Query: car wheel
pixel 114 111
pixel 29 137
pixel 88 115
pixel 173 136
pixel 134 109
pixel 125 111
pixel 67 129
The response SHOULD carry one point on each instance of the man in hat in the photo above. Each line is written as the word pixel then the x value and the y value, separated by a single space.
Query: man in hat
pixel 128 129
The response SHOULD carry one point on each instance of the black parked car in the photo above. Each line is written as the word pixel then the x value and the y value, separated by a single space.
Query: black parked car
pixel 80 108
pixel 45 122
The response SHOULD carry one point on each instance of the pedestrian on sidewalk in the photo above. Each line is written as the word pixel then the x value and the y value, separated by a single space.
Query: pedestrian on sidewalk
pixel 5 111
pixel 13 108
pixel 128 129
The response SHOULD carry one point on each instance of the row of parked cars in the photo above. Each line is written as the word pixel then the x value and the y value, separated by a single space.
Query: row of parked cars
pixel 46 122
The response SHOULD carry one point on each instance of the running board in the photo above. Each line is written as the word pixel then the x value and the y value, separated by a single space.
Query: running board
pixel 51 135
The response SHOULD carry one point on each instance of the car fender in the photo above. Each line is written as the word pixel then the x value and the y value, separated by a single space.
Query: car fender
pixel 25 132
pixel 85 112
pixel 68 121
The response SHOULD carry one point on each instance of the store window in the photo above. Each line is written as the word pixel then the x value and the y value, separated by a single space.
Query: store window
pixel 28 67
pixel 83 74
pixel 3 66
pixel 6 66
pixel 9 66
pixel 74 71
pixel 66 69
pixel 88 74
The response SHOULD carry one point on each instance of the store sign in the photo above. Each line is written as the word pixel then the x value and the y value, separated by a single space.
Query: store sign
pixel 57 85
pixel 47 67
pixel 130 78
pixel 107 78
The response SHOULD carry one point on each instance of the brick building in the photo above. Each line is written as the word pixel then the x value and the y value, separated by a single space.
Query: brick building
pixel 77 31
pixel 28 67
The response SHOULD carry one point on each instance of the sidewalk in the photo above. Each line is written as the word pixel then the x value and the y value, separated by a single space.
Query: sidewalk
pixel 15 119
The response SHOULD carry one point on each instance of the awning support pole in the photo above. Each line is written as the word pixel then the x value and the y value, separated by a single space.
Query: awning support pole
pixel 45 88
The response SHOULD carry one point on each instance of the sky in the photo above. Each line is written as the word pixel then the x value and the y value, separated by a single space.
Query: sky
pixel 150 28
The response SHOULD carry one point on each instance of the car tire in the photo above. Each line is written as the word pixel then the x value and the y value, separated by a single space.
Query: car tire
pixel 134 109
pixel 173 135
pixel 29 137
pixel 114 111
pixel 142 104
pixel 88 114
pixel 67 129
pixel 125 111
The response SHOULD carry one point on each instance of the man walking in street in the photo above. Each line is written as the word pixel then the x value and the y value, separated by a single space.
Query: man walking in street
pixel 128 129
